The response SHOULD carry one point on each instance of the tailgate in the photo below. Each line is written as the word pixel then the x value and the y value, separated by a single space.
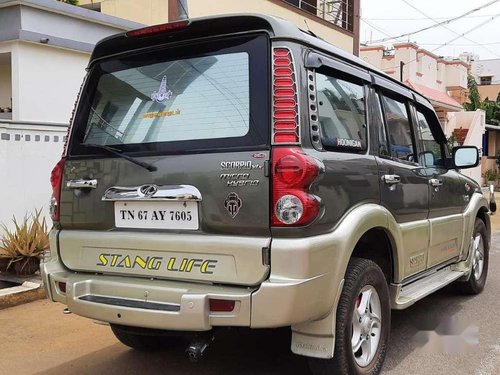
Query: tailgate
pixel 201 212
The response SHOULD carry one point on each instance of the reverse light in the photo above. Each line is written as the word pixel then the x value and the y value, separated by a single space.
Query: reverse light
pixel 157 29
pixel 56 182
pixel 289 209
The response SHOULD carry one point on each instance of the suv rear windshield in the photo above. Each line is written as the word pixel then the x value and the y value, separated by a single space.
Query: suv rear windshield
pixel 196 97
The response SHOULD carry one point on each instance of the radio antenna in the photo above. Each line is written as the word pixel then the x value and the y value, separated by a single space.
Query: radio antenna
pixel 309 29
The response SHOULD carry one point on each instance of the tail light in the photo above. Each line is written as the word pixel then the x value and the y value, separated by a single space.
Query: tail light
pixel 56 182
pixel 285 109
pixel 293 172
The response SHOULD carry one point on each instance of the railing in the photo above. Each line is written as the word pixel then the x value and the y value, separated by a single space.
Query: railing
pixel 337 12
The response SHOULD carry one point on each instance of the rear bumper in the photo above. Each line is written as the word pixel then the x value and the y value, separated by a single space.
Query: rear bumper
pixel 174 305
pixel 147 303
pixel 297 292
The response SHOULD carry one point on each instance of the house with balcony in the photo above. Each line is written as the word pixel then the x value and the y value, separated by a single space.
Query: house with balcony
pixel 45 46
pixel 487 74
pixel 336 21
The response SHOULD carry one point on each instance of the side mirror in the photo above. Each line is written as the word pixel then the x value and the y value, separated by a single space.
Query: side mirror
pixel 465 157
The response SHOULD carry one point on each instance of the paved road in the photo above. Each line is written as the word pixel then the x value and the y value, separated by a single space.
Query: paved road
pixel 38 338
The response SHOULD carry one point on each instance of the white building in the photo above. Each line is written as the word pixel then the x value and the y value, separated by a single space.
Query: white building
pixel 45 46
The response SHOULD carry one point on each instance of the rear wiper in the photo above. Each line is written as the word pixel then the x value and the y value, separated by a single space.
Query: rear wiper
pixel 119 153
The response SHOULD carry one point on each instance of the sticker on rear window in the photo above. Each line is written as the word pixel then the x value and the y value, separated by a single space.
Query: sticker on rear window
pixel 344 142
pixel 177 112
pixel 162 94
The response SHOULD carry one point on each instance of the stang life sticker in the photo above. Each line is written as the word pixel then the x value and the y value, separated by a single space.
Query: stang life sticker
pixel 156 263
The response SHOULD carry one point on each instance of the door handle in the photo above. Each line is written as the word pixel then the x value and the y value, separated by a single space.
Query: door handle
pixel 435 182
pixel 82 184
pixel 391 179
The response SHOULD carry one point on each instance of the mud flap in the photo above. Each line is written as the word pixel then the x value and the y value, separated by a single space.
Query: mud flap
pixel 311 345
pixel 317 338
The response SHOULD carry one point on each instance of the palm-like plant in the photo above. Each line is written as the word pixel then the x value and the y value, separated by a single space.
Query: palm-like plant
pixel 23 245
pixel 490 107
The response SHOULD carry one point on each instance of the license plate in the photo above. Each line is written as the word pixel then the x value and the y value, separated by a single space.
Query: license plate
pixel 156 215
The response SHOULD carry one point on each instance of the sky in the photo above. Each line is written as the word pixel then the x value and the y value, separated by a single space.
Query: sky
pixel 388 18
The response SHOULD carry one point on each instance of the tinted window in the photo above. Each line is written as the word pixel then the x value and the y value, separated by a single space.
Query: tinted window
pixel 431 150
pixel 341 109
pixel 398 128
pixel 188 98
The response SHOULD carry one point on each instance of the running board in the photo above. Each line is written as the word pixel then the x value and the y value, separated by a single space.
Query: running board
pixel 404 296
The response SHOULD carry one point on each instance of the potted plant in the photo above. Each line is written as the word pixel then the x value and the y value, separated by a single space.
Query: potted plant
pixel 490 176
pixel 21 248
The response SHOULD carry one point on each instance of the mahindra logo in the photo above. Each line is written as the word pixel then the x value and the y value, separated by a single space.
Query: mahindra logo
pixel 148 190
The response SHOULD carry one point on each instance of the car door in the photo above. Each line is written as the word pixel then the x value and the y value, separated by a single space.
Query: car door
pixel 446 189
pixel 403 188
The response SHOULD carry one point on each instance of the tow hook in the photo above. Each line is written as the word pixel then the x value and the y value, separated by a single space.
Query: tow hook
pixel 66 311
pixel 198 347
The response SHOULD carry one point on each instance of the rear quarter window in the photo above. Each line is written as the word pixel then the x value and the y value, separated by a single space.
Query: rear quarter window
pixel 342 113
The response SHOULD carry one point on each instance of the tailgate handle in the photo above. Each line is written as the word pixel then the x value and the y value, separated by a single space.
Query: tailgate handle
pixel 82 184
pixel 151 192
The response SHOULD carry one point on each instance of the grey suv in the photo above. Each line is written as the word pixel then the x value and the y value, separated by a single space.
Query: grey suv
pixel 237 171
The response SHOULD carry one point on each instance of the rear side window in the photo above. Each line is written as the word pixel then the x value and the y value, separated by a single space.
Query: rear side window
pixel 398 129
pixel 342 113
pixel 189 98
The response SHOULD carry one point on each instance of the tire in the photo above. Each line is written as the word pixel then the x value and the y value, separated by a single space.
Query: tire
pixel 479 263
pixel 142 339
pixel 363 278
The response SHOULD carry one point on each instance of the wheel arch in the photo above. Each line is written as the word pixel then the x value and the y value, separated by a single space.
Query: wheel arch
pixel 482 214
pixel 377 244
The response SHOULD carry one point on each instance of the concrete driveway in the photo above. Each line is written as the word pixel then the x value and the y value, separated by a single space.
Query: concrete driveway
pixel 38 338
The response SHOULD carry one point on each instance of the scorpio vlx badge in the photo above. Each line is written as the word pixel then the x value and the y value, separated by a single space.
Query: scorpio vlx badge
pixel 233 204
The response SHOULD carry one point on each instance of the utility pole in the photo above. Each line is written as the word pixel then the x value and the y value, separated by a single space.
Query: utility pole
pixel 401 66
pixel 183 9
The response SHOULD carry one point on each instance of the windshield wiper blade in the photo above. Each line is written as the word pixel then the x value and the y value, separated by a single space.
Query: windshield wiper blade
pixel 119 153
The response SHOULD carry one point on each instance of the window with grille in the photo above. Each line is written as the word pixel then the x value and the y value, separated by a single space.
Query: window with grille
pixel 337 12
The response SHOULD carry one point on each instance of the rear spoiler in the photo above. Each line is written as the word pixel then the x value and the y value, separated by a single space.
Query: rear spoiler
pixel 195 28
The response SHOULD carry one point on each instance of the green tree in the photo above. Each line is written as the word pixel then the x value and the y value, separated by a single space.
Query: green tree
pixel 72 2
pixel 490 107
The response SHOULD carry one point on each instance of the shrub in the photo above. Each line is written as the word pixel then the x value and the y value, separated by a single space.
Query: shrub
pixel 23 245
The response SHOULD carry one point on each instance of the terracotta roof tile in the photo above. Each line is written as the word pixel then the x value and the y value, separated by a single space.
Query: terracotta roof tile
pixel 434 95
